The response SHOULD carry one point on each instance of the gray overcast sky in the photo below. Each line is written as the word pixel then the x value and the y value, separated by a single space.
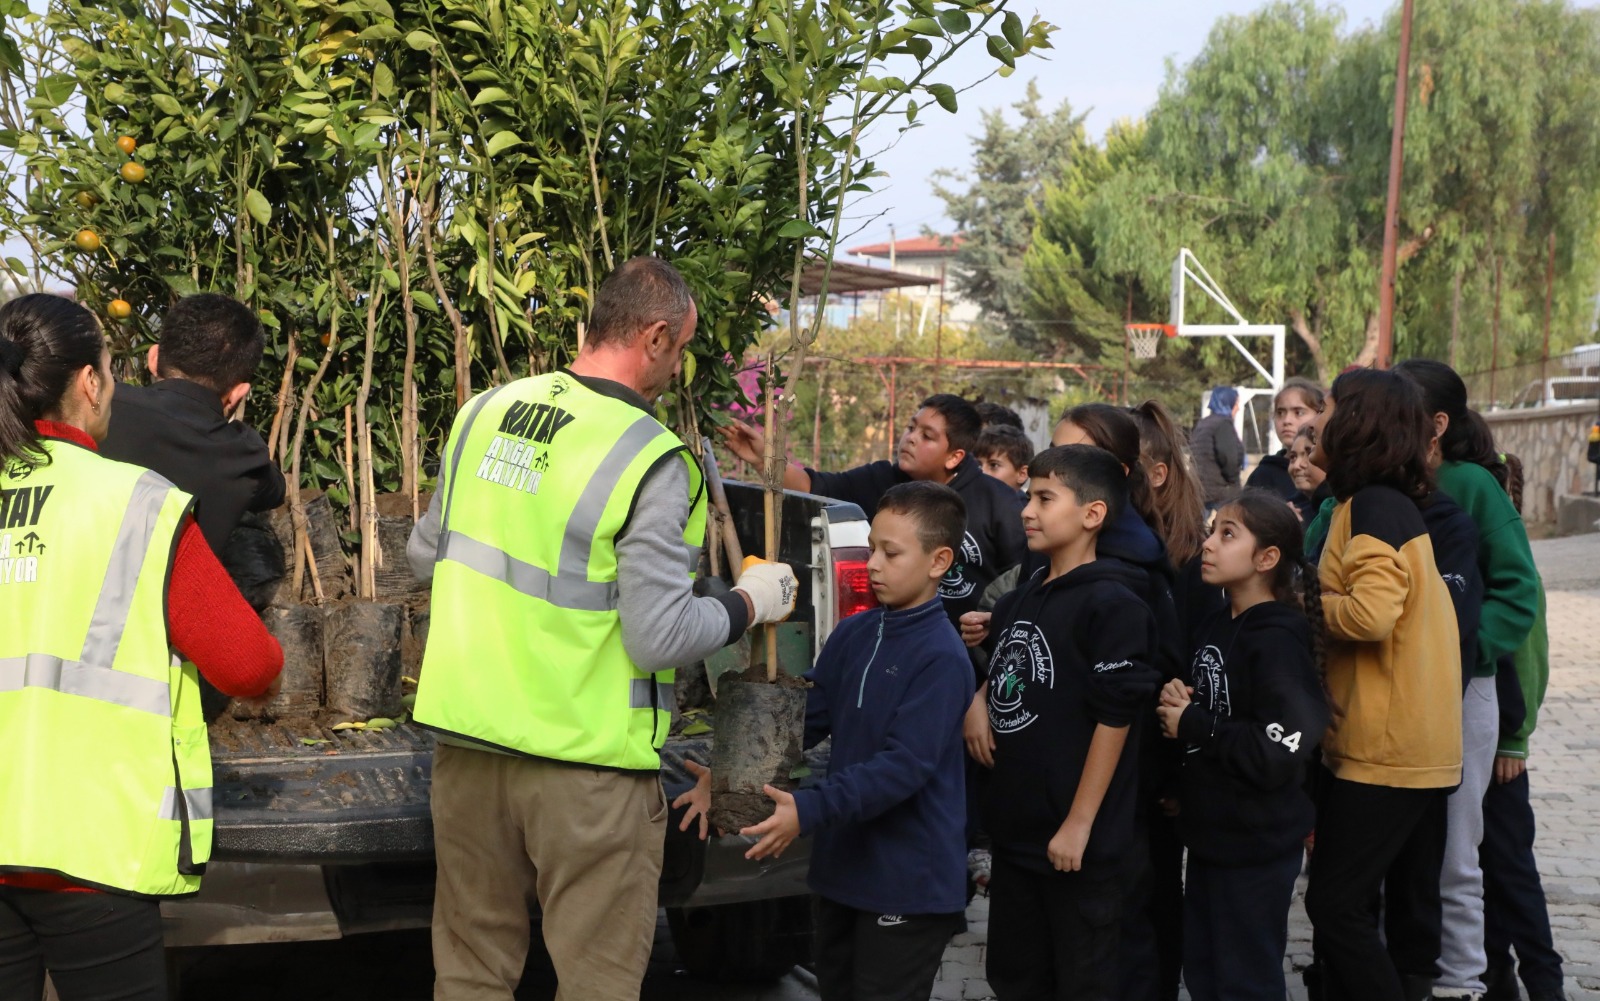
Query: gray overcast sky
pixel 1109 59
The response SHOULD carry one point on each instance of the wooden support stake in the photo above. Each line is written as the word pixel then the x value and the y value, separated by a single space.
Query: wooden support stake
pixel 771 501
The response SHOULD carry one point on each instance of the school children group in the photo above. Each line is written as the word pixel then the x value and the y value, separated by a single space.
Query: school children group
pixel 1345 664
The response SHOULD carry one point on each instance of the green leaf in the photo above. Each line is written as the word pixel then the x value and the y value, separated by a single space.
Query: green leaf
pixel 696 729
pixel 944 94
pixel 16 266
pixel 56 89
pixel 999 48
pixel 925 26
pixel 957 22
pixel 383 80
pixel 798 228
pixel 492 95
pixel 502 141
pixel 1012 29
pixel 391 279
pixel 167 103
pixel 257 205
pixel 426 301
pixel 116 93
pixel 919 47
pixel 799 772
pixel 313 742
pixel 421 40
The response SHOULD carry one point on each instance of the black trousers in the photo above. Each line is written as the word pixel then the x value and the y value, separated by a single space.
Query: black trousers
pixel 1151 948
pixel 1236 928
pixel 97 946
pixel 1053 936
pixel 1375 843
pixel 863 956
pixel 1513 896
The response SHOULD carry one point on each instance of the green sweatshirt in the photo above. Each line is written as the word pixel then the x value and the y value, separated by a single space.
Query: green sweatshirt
pixel 1510 580
pixel 1533 676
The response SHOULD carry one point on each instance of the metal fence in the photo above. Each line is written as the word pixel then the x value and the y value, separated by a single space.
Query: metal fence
pixel 1560 379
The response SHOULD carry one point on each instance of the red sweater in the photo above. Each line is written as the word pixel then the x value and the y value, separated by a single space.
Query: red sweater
pixel 208 621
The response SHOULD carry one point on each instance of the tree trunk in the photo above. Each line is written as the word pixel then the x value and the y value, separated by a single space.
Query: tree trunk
pixel 1369 344
pixel 1302 329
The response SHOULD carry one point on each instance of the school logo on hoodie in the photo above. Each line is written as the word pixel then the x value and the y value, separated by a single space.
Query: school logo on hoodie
pixel 1022 661
pixel 956 584
pixel 1211 685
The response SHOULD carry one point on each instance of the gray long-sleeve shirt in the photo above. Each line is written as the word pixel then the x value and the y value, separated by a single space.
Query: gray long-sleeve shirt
pixel 664 625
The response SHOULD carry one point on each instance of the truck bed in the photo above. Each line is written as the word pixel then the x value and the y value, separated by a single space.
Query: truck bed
pixel 362 797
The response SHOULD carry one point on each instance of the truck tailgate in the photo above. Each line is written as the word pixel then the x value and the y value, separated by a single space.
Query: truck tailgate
pixel 350 796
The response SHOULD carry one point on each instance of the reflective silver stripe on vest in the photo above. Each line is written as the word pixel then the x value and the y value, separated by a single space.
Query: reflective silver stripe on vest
pixel 639 691
pixel 578 541
pixel 476 407
pixel 576 593
pixel 90 681
pixel 197 802
pixel 694 559
pixel 128 553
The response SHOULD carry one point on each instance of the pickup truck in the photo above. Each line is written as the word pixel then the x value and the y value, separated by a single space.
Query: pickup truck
pixel 323 834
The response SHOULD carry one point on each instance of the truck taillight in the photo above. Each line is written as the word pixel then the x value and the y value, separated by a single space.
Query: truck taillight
pixel 851 582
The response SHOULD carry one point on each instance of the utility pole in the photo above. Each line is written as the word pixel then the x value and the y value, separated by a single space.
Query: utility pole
pixel 892 264
pixel 1391 216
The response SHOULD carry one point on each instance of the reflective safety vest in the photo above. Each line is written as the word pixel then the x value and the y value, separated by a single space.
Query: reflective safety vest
pixel 525 646
pixel 107 778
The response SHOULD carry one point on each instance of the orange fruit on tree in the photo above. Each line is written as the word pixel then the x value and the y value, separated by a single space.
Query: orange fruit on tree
pixel 86 199
pixel 119 309
pixel 324 339
pixel 87 240
pixel 127 144
pixel 132 172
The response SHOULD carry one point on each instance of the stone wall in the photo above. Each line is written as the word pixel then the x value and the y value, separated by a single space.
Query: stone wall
pixel 1552 443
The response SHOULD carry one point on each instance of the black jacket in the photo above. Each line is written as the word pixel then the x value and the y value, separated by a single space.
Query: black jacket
pixel 994 541
pixel 1067 655
pixel 1272 474
pixel 1455 552
pixel 1257 718
pixel 177 428
pixel 1218 456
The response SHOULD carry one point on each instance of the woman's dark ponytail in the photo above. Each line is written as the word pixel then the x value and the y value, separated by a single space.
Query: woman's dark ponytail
pixel 44 341
pixel 1311 604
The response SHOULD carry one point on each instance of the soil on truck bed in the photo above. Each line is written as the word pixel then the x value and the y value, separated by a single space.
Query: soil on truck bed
pixel 297 791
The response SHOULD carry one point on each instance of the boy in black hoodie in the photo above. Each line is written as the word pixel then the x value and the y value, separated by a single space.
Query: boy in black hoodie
pixel 939 446
pixel 1070 671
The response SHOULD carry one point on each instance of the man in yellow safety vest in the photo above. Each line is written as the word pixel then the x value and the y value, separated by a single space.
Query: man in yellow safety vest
pixel 562 542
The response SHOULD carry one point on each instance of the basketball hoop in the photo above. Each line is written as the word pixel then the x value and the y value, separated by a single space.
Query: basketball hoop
pixel 1143 337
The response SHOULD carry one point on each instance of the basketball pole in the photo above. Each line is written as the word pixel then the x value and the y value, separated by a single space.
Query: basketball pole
pixel 1391 215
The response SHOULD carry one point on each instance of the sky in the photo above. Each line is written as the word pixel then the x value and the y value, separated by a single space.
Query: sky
pixel 1109 60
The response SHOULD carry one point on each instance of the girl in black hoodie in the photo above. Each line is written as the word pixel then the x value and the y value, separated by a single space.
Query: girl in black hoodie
pixel 1250 723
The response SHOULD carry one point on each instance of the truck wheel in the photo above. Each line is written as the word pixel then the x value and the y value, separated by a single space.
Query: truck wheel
pixel 756 941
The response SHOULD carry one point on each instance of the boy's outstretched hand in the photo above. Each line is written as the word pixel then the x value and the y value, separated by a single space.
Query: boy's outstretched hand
pixel 778 831
pixel 746 442
pixel 698 799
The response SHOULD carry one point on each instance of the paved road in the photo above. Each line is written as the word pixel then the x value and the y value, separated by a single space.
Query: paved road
pixel 1566 788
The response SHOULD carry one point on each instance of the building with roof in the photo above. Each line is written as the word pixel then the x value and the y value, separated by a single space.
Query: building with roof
pixel 932 257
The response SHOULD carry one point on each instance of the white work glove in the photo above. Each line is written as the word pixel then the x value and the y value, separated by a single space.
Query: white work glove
pixel 771 588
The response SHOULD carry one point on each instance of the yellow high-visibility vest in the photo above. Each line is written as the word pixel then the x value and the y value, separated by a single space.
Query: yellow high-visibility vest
pixel 107 780
pixel 524 648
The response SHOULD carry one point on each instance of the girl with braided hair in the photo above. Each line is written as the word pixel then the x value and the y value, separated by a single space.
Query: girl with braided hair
pixel 1250 722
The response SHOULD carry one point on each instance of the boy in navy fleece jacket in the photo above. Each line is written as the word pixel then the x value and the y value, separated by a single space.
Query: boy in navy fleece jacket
pixel 1070 673
pixel 892 685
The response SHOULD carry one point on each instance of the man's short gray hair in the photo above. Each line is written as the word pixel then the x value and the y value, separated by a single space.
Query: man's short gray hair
pixel 640 292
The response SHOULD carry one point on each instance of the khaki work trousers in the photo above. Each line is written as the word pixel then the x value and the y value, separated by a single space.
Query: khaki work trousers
pixel 584 843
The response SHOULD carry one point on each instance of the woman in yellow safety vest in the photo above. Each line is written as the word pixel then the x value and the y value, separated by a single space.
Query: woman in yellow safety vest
pixel 106 585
